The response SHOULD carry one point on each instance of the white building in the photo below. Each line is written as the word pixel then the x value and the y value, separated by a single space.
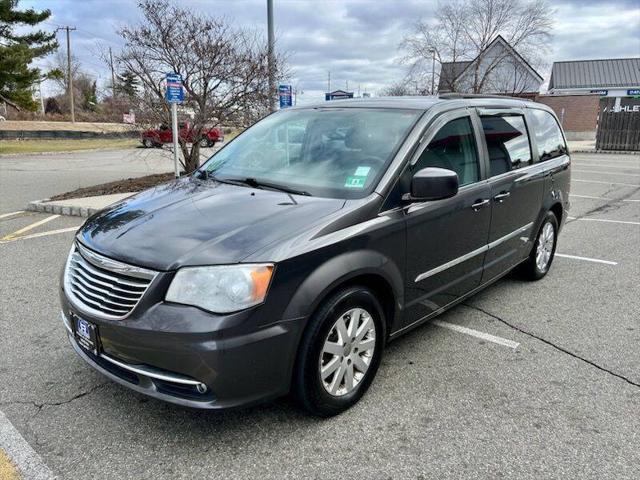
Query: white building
pixel 498 69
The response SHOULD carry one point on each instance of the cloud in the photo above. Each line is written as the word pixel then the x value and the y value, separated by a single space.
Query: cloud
pixel 356 40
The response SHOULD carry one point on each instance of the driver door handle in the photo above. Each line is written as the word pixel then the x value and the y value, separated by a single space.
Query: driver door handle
pixel 501 196
pixel 480 203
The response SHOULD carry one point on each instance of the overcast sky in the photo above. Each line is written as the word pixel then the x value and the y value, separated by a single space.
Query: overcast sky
pixel 354 39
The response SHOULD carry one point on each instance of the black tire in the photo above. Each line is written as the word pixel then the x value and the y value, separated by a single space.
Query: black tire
pixel 530 269
pixel 148 143
pixel 308 388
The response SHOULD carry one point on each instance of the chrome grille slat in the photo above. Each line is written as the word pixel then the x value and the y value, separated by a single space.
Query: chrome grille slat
pixel 86 284
pixel 100 298
pixel 93 302
pixel 104 287
pixel 87 266
pixel 99 282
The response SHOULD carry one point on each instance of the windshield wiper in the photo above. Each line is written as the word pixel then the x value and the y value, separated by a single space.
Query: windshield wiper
pixel 252 182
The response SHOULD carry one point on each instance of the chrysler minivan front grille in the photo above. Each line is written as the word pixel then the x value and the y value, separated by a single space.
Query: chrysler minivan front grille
pixel 104 287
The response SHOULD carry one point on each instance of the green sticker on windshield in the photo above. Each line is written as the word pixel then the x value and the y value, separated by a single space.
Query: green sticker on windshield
pixel 355 182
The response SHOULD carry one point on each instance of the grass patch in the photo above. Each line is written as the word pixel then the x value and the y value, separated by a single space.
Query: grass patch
pixel 42 146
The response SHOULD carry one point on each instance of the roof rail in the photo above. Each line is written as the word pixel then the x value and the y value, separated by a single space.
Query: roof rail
pixel 455 95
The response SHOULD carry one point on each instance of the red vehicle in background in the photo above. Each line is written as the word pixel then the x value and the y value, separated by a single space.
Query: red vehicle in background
pixel 156 137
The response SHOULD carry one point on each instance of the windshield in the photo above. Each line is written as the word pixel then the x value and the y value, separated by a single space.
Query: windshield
pixel 329 152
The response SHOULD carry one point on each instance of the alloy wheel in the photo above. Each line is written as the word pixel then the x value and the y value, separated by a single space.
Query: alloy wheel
pixel 347 352
pixel 546 242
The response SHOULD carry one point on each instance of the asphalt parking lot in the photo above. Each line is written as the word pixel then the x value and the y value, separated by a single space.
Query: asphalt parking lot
pixel 543 381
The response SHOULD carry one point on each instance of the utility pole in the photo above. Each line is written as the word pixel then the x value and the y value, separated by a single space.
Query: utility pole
pixel 69 75
pixel 433 72
pixel 329 81
pixel 271 56
pixel 41 99
pixel 113 75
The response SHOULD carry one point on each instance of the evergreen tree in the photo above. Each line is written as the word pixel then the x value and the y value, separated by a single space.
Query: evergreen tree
pixel 17 52
pixel 127 83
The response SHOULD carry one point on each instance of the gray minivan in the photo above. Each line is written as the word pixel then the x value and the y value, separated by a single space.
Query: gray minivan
pixel 299 249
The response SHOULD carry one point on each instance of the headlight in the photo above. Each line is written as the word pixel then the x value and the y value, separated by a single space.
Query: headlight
pixel 221 289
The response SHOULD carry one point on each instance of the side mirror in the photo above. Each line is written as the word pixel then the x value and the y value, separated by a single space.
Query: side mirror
pixel 433 183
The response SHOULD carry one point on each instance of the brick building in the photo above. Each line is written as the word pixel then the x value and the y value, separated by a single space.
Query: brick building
pixel 576 88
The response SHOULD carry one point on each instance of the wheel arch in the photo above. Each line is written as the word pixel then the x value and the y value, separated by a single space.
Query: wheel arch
pixel 368 268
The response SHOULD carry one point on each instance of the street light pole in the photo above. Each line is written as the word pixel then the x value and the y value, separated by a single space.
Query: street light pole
pixel 271 57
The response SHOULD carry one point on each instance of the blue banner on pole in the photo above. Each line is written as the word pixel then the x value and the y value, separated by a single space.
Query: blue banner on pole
pixel 174 92
pixel 286 99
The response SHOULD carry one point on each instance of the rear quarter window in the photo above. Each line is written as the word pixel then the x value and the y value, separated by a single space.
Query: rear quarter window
pixel 547 134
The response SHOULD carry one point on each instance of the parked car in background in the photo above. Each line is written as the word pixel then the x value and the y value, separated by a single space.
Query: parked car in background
pixel 296 252
pixel 156 137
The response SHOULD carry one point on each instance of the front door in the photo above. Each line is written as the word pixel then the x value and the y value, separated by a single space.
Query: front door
pixel 446 239
pixel 516 189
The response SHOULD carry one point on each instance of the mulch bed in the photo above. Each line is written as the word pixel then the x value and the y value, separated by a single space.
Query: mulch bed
pixel 119 186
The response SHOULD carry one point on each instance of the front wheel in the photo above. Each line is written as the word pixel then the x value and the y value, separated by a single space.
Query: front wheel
pixel 340 352
pixel 544 249
pixel 206 142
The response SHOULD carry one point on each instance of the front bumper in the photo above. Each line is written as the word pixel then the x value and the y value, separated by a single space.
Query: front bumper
pixel 215 369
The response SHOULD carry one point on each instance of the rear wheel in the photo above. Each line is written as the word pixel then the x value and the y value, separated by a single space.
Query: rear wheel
pixel 206 142
pixel 544 249
pixel 147 143
pixel 340 352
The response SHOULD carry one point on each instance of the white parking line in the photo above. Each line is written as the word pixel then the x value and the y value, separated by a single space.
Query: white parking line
pixel 600 165
pixel 475 333
pixel 624 174
pixel 604 220
pixel 604 198
pixel 586 259
pixel 610 158
pixel 606 183
pixel 29 463
pixel 10 214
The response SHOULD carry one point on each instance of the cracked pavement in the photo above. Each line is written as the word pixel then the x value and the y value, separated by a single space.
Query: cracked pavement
pixel 564 404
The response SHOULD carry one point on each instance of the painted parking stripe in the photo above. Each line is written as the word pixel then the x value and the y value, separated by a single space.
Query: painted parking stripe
pixel 11 214
pixel 40 234
pixel 586 259
pixel 624 174
pixel 600 165
pixel 475 333
pixel 27 460
pixel 606 183
pixel 605 198
pixel 29 227
pixel 604 220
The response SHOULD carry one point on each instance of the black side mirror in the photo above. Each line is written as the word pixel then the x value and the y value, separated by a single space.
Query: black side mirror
pixel 433 183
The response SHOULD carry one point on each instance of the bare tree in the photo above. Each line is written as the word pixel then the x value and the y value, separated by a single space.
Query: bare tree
pixel 224 68
pixel 397 89
pixel 462 31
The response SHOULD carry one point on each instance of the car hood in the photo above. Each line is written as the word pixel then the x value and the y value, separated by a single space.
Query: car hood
pixel 191 222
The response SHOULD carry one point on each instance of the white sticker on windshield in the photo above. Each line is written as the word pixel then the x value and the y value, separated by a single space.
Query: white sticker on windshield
pixel 362 171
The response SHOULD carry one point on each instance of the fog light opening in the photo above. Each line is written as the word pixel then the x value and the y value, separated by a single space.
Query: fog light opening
pixel 201 387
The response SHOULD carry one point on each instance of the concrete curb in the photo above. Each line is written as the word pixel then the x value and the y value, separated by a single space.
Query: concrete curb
pixel 41 206
pixel 25 458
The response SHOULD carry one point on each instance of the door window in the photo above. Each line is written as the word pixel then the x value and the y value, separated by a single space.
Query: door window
pixel 453 148
pixel 548 135
pixel 507 143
